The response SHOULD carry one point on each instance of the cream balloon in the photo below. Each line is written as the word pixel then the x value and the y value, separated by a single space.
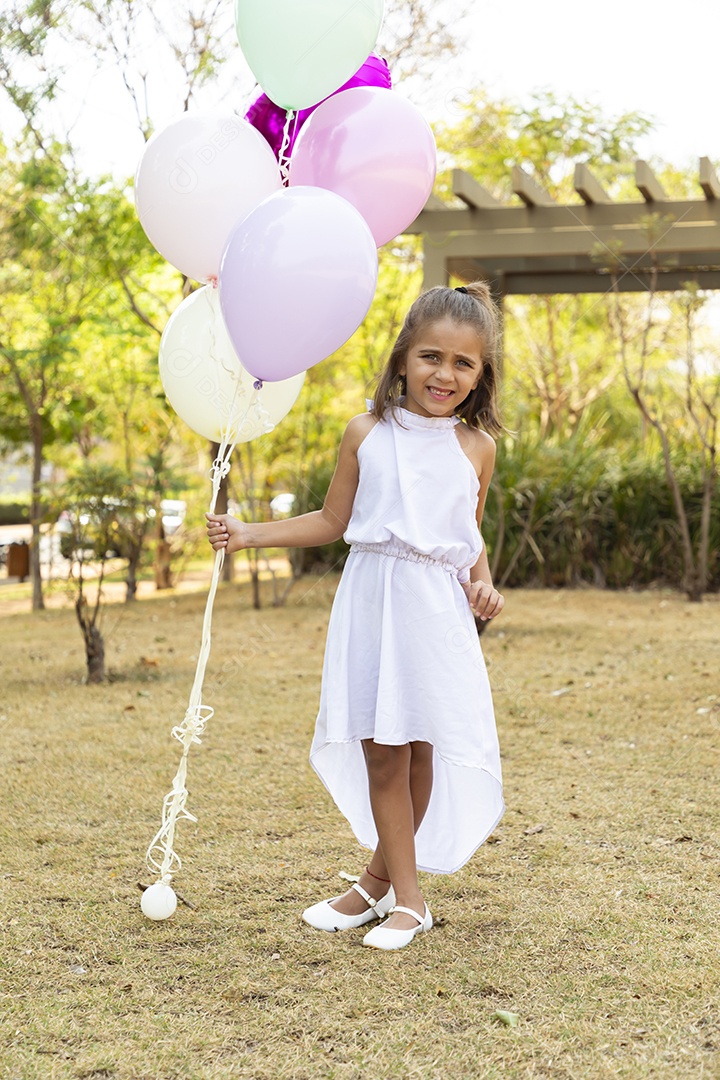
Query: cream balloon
pixel 205 382
pixel 158 902
pixel 197 178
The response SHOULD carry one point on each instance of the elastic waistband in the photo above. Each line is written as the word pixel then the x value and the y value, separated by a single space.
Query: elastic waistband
pixel 407 553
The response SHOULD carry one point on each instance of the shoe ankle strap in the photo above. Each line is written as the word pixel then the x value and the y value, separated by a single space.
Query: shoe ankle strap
pixel 407 911
pixel 366 895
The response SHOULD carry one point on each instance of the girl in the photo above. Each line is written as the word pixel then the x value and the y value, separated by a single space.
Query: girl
pixel 405 738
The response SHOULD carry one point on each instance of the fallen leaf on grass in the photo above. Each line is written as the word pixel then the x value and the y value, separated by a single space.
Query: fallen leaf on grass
pixel 78 969
pixel 533 830
pixel 507 1018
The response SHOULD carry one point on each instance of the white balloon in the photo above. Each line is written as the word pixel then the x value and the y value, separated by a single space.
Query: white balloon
pixel 158 902
pixel 198 177
pixel 205 382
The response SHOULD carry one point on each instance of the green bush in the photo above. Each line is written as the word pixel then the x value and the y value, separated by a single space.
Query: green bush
pixel 14 513
pixel 596 517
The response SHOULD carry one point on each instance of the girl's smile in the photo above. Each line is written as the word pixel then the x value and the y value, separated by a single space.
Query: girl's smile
pixel 442 367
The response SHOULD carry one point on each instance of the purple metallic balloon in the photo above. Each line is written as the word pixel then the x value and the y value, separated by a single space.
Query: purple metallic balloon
pixel 269 118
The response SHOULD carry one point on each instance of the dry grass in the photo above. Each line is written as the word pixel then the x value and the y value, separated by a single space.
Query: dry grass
pixel 600 930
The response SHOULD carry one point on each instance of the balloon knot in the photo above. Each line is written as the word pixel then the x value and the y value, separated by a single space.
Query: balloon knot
pixel 213 281
pixel 258 384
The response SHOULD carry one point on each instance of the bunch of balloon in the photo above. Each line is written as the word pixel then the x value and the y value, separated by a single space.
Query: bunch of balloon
pixel 373 148
pixel 299 272
pixel 283 211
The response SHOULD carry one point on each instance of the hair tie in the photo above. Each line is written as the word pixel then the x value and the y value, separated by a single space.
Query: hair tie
pixel 461 288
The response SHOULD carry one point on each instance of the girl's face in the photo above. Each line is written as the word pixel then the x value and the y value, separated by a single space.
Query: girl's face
pixel 442 366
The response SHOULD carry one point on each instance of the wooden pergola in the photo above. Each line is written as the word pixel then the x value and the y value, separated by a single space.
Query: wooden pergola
pixel 544 247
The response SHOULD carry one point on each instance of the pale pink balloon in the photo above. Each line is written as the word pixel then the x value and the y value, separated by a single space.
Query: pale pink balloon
pixel 296 280
pixel 376 150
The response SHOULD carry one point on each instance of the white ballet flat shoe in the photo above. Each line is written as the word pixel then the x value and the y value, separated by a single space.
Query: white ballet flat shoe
pixel 325 917
pixel 385 937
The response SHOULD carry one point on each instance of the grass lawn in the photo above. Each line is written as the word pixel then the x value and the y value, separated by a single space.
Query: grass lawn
pixel 592 915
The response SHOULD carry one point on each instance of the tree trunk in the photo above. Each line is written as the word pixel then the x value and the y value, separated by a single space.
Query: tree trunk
pixel 253 558
pixel 691 581
pixel 94 642
pixel 95 652
pixel 38 602
pixel 163 573
pixel 705 521
pixel 131 578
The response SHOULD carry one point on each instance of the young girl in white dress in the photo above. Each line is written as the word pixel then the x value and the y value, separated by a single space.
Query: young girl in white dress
pixel 405 739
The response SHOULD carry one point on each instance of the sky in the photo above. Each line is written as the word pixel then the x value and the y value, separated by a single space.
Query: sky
pixel 660 58
pixel 624 55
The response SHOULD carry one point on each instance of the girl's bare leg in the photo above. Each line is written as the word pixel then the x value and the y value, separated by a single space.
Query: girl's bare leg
pixel 400 780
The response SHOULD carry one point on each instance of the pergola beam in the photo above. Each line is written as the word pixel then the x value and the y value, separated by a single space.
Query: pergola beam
pixel 545 247
pixel 637 280
pixel 472 194
pixel 648 184
pixel 541 243
pixel 589 187
pixel 529 190
pixel 691 212
pixel 708 179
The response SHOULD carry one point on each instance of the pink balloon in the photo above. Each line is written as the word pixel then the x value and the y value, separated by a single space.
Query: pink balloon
pixel 296 280
pixel 269 118
pixel 376 150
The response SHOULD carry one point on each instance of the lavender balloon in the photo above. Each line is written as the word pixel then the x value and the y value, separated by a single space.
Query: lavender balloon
pixel 269 118
pixel 296 280
pixel 375 149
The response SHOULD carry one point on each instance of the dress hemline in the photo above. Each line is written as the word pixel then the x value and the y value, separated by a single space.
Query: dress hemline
pixel 370 846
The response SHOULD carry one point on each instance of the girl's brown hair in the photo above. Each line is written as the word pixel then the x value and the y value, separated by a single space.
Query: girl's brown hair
pixel 473 305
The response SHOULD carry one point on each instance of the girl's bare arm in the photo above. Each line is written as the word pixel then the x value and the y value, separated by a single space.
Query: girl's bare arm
pixel 484 598
pixel 306 530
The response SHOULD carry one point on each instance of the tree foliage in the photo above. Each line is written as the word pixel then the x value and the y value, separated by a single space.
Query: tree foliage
pixel 84 300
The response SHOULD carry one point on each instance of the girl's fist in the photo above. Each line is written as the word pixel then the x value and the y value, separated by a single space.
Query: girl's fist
pixel 485 601
pixel 225 532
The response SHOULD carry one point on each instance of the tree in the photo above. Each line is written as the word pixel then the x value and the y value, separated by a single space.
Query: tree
pixel 563 362
pixel 682 413
pixel 545 133
pixel 95 501
pixel 69 248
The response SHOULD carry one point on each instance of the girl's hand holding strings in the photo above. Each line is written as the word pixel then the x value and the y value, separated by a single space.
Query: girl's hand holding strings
pixel 226 532
pixel 485 601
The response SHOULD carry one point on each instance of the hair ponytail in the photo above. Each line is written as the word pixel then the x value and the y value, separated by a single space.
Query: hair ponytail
pixel 472 304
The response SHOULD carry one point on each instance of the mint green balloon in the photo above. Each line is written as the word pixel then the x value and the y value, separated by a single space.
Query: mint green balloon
pixel 300 51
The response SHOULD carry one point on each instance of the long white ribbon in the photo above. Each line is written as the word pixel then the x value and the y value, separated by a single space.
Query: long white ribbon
pixel 161 855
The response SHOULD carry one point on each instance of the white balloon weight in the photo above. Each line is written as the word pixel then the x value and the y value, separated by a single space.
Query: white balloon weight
pixel 158 902
pixel 205 382
pixel 196 180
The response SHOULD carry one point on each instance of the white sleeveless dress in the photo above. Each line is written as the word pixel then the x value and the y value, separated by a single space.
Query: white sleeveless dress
pixel 403 659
